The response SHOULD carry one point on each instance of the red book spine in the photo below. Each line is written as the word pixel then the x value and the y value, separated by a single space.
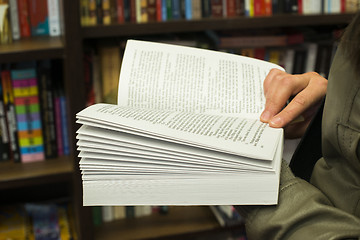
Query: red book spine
pixel 23 10
pixel 158 10
pixel 300 7
pixel 216 8
pixel 230 8
pixel 257 8
pixel 343 6
pixel 120 11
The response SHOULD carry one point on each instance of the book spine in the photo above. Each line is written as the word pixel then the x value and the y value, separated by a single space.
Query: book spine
pixel 58 125
pixel 239 7
pixel 268 7
pixel 8 97
pixel 14 19
pixel 27 110
pixel 164 10
pixel 23 11
pixel 64 125
pixel 188 10
pixel 151 10
pixel 92 12
pixel 175 6
pixel 54 17
pixel 216 8
pixel 5 148
pixel 99 12
pixel 127 10
pixel 230 8
pixel 169 10
pixel 85 12
pixel 47 110
pixel 120 11
pixel 206 8
pixel 39 17
pixel 159 10
pixel 106 17
pixel 133 4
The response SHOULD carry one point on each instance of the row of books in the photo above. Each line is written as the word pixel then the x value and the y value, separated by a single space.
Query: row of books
pixel 106 12
pixel 28 18
pixel 105 214
pixel 32 112
pixel 37 221
pixel 297 59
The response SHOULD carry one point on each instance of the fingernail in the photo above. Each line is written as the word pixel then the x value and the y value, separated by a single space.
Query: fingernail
pixel 265 116
pixel 275 122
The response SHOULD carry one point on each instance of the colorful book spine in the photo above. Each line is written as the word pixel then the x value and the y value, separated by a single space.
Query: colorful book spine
pixel 39 17
pixel 27 109
pixel 9 104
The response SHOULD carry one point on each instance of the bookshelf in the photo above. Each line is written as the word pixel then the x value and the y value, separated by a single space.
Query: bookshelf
pixel 239 23
pixel 64 170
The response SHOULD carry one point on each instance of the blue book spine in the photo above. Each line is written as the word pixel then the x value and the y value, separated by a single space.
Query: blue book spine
pixel 188 10
pixel 64 126
pixel 163 10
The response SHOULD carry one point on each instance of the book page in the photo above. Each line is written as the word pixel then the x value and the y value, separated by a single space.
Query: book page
pixel 163 76
pixel 233 135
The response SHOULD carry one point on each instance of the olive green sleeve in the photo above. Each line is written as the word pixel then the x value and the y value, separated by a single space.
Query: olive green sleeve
pixel 302 212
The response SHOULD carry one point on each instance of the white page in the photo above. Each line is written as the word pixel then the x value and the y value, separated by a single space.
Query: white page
pixel 194 152
pixel 164 76
pixel 113 138
pixel 239 136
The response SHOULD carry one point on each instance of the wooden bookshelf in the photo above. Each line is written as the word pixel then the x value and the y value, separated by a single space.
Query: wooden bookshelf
pixel 30 49
pixel 14 175
pixel 179 220
pixel 55 172
pixel 178 26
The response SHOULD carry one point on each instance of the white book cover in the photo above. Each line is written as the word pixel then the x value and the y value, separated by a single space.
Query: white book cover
pixel 54 17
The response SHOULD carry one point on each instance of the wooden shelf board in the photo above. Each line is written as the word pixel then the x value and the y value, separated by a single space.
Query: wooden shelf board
pixel 24 174
pixel 179 220
pixel 32 49
pixel 284 20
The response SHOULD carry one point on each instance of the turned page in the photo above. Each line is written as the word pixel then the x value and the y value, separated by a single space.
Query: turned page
pixel 164 76
pixel 233 135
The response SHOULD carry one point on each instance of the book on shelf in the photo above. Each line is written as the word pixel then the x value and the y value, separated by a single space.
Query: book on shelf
pixel 27 109
pixel 37 221
pixel 9 105
pixel 5 148
pixel 47 108
pixel 39 17
pixel 185 131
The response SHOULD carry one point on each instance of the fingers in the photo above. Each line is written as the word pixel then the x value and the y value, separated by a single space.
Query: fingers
pixel 279 86
pixel 308 88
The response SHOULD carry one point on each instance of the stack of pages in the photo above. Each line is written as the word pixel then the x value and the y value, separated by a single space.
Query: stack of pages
pixel 185 131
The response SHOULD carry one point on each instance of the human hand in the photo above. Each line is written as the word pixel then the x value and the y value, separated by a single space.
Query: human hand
pixel 307 90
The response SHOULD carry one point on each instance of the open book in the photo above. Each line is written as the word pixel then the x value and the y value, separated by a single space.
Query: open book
pixel 185 131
